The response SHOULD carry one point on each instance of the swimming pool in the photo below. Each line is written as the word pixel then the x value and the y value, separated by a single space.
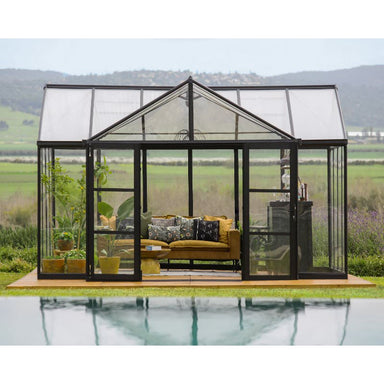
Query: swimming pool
pixel 190 321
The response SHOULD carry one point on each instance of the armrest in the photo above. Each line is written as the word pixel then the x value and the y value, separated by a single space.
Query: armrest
pixel 234 243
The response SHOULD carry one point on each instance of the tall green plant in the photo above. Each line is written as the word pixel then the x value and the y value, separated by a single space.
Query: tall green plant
pixel 70 194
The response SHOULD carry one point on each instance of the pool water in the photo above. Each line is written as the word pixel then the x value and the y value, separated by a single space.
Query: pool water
pixel 190 321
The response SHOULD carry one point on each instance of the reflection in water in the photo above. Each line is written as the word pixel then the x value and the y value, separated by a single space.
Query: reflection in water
pixel 193 321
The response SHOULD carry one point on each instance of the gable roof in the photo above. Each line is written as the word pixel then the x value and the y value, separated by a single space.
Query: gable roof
pixel 81 112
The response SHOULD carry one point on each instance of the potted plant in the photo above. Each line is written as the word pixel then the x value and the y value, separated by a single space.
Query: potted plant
pixel 109 263
pixel 53 264
pixel 75 261
pixel 64 241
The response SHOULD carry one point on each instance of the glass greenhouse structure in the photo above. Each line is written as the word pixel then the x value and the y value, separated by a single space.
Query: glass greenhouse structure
pixel 268 161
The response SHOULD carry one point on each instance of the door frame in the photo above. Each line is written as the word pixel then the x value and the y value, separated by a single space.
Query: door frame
pixel 90 231
pixel 245 261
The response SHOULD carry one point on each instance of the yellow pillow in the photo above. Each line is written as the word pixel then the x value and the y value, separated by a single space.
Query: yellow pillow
pixel 224 226
pixel 108 222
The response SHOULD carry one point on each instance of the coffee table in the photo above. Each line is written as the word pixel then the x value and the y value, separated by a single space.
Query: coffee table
pixel 150 260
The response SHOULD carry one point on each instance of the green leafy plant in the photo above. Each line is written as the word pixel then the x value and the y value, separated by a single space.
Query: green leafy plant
pixel 124 211
pixel 75 254
pixel 70 196
pixel 64 236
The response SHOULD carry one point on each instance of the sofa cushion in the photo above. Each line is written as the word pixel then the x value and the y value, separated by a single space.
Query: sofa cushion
pixel 163 222
pixel 166 234
pixel 187 227
pixel 224 226
pixel 198 244
pixel 207 230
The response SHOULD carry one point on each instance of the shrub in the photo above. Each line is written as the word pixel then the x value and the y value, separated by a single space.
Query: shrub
pixel 17 260
pixel 18 237
pixel 366 266
pixel 365 233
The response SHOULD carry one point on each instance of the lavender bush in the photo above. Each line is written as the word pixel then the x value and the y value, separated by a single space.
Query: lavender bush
pixel 365 233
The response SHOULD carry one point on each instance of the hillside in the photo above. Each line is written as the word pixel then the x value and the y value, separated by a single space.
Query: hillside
pixel 361 88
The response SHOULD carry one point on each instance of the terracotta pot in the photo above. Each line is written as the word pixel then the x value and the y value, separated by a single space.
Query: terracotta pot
pixel 109 265
pixel 76 266
pixel 65 245
pixel 53 265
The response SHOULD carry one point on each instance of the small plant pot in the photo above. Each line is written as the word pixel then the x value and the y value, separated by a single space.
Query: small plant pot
pixel 53 265
pixel 109 265
pixel 76 266
pixel 65 245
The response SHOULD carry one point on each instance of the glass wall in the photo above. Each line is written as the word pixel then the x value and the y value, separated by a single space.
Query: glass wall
pixel 62 219
pixel 321 224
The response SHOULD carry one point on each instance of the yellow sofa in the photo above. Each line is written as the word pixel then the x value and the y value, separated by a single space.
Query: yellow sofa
pixel 181 249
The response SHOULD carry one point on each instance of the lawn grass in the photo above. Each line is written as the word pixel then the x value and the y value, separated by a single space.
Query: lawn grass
pixel 337 293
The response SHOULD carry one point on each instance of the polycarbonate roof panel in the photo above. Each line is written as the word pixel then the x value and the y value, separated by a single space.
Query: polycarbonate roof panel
pixel 66 115
pixel 112 105
pixel 271 106
pixel 315 114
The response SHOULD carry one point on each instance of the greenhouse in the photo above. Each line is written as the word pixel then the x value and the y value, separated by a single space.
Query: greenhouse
pixel 150 182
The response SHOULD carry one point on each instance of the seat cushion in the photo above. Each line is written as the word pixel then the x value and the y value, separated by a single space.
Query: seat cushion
pixel 143 242
pixel 198 244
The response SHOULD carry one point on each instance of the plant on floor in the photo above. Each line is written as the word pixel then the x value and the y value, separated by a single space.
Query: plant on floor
pixel 75 261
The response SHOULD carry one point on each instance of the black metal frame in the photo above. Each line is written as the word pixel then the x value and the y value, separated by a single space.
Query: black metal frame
pixel 141 147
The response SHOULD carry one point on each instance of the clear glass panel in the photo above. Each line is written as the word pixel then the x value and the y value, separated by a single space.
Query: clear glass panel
pixel 62 211
pixel 66 115
pixel 114 254
pixel 269 169
pixel 167 177
pixel 114 211
pixel 216 119
pixel 313 240
pixel 267 213
pixel 114 168
pixel 213 183
pixel 337 209
pixel 111 105
pixel 269 255
pixel 321 217
pixel 167 120
pixel 315 114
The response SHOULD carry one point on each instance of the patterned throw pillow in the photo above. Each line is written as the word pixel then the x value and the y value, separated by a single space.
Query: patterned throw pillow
pixel 224 226
pixel 164 222
pixel 166 234
pixel 187 227
pixel 207 230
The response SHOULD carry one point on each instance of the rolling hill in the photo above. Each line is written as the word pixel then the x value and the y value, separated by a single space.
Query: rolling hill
pixel 361 92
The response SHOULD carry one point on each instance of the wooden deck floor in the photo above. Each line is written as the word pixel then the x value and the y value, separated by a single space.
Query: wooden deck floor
pixel 30 281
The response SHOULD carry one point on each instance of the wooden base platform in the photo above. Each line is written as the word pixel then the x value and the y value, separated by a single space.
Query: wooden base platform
pixel 30 281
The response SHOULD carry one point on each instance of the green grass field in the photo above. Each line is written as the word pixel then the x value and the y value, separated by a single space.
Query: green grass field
pixel 22 178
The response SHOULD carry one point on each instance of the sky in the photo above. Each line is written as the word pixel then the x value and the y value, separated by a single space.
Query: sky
pixel 265 57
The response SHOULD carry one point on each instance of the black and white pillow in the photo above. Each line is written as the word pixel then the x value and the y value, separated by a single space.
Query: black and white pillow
pixel 166 234
pixel 207 230
pixel 187 227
